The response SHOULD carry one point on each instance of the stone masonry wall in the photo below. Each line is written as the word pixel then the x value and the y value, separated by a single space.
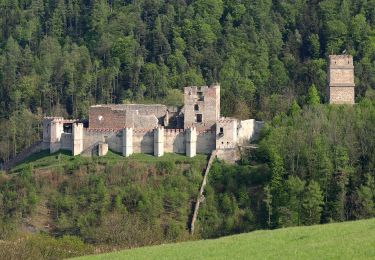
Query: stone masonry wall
pixel 341 79
pixel 105 117
pixel 204 101
pixel 246 131
pixel 341 95
pixel 92 137
pixel 226 133
pixel 132 115
pixel 137 121
pixel 143 141
pixel 66 141
pixel 174 141
pixel 341 60
pixel 206 142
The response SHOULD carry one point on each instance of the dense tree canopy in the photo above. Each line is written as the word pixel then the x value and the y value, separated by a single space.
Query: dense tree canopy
pixel 315 165
pixel 58 57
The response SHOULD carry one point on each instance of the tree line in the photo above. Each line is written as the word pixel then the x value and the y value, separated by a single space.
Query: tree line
pixel 59 57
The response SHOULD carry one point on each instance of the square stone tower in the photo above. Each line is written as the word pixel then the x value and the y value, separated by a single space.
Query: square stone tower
pixel 341 79
pixel 201 107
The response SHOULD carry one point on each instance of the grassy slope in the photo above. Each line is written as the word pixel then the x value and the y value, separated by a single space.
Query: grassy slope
pixel 45 160
pixel 349 240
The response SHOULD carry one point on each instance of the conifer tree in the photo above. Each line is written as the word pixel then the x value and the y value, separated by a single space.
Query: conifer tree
pixel 312 204
pixel 295 109
pixel 313 96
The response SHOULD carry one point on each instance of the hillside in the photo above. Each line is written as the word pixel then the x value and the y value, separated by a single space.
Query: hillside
pixel 350 240
pixel 110 202
pixel 314 165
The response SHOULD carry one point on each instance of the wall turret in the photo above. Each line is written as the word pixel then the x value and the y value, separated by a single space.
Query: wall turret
pixel 53 127
pixel 77 139
pixel 191 142
pixel 226 133
pixel 127 142
pixel 159 141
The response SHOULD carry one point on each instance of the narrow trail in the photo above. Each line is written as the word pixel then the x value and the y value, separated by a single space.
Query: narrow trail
pixel 200 195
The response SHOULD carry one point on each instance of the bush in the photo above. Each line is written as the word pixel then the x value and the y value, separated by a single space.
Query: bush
pixel 165 167
pixel 42 246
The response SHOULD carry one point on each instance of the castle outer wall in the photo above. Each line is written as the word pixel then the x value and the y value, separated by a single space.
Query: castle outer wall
pixel 142 141
pixel 85 141
pixel 151 129
pixel 136 116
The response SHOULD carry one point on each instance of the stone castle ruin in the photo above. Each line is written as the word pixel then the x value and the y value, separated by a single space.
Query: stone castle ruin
pixel 340 79
pixel 197 127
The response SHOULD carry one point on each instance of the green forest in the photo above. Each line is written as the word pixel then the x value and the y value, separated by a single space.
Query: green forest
pixel 59 57
pixel 315 163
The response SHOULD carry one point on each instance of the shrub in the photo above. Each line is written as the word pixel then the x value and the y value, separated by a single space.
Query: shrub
pixel 42 246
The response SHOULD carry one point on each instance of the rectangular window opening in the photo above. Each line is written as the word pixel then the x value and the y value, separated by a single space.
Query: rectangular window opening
pixel 200 96
pixel 68 128
pixel 199 118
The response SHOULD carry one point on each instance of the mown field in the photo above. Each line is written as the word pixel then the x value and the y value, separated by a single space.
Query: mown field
pixel 349 240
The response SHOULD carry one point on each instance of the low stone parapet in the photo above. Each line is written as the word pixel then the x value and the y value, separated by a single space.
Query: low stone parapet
pixel 24 154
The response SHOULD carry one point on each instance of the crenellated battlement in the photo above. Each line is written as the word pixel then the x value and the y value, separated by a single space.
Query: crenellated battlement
pixel 191 90
pixel 53 118
pixel 60 119
pixel 102 130
pixel 202 132
pixel 226 120
pixel 174 131
pixel 142 131
pixel 343 61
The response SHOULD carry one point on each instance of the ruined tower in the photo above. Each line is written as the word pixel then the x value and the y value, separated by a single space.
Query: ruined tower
pixel 202 107
pixel 341 79
pixel 53 128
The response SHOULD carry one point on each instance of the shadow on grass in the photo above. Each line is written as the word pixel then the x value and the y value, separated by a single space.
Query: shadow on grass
pixel 45 153
pixel 43 158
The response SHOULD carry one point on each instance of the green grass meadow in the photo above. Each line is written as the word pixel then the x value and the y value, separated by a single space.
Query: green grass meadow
pixel 45 160
pixel 349 240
